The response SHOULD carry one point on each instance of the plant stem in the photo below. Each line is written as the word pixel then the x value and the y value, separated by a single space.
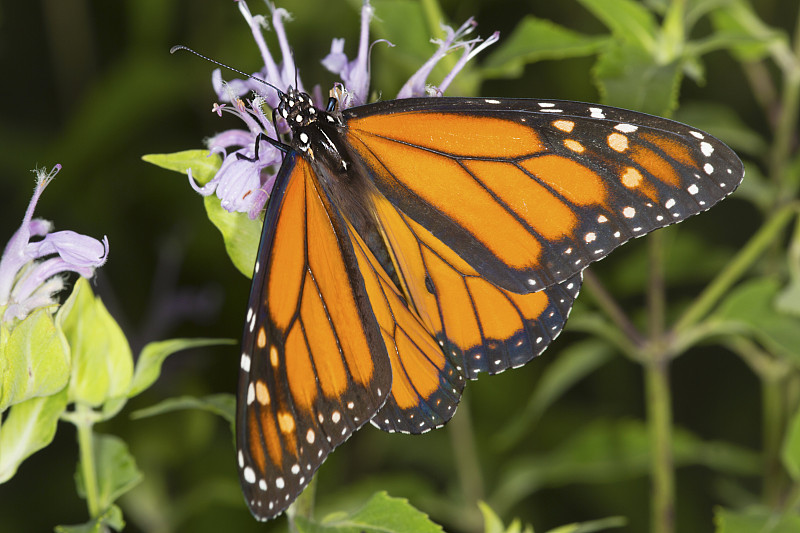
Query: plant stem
pixel 659 421
pixel 85 424
pixel 746 257
pixel 774 421
pixel 659 398
pixel 465 453
pixel 303 505
pixel 607 303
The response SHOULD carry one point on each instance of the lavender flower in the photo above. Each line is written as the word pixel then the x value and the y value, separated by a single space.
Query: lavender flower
pixel 29 267
pixel 244 185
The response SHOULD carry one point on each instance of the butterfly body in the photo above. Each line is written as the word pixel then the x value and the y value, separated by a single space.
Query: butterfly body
pixel 411 244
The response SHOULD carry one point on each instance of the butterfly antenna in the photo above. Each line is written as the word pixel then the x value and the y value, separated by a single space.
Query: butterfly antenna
pixel 256 78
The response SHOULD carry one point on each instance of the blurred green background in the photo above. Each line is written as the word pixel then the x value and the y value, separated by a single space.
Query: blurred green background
pixel 91 85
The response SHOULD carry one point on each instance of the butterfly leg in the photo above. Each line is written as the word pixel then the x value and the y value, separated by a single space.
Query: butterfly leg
pixel 264 137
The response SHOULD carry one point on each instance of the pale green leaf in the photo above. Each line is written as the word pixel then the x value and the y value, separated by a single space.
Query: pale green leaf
pixel 102 363
pixel 240 233
pixel 28 427
pixel 223 405
pixel 34 359
pixel 591 526
pixel 148 367
pixel 203 163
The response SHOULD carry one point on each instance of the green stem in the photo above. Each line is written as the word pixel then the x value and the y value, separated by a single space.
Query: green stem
pixel 303 505
pixel 748 255
pixel 774 419
pixel 607 303
pixel 789 111
pixel 462 438
pixel 659 421
pixel 84 423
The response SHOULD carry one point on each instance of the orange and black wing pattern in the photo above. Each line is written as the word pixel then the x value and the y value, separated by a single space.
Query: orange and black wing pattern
pixel 483 212
pixel 530 192
pixel 314 366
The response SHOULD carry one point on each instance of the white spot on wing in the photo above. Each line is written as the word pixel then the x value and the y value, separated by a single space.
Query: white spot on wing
pixel 626 128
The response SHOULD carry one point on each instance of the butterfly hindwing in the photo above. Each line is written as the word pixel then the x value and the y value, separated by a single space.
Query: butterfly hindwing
pixel 314 366
pixel 530 192
pixel 480 326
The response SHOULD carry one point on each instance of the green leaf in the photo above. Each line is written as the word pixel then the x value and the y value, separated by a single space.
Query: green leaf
pixel 536 39
pixel 116 469
pixel 28 427
pixel 751 307
pixel 102 363
pixel 788 299
pixel 148 367
pixel 572 365
pixel 240 233
pixel 790 454
pixel 628 77
pixel 111 518
pixel 627 20
pixel 592 525
pixel 223 405
pixel 493 524
pixel 381 514
pixel 34 359
pixel 203 163
pixel 748 38
pixel 755 520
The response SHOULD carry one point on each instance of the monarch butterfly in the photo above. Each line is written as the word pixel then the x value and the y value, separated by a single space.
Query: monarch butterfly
pixel 411 244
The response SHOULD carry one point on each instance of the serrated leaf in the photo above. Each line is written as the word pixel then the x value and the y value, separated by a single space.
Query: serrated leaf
pixel 628 77
pixel 116 470
pixel 223 405
pixel 751 306
pixel 28 427
pixel 102 363
pixel 111 518
pixel 34 359
pixel 240 233
pixel 381 514
pixel 755 520
pixel 627 20
pixel 203 163
pixel 148 367
pixel 573 364
pixel 592 525
pixel 535 39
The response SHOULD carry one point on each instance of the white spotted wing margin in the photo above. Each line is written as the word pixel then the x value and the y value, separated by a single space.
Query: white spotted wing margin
pixel 314 367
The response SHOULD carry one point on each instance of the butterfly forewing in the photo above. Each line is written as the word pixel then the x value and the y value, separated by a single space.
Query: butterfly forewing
pixel 314 367
pixel 529 192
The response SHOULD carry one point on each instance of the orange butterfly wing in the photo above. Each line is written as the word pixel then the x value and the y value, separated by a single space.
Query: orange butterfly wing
pixel 527 192
pixel 314 366
pixel 480 327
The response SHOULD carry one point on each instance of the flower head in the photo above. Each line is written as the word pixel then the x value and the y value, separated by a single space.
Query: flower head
pixel 244 181
pixel 35 256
